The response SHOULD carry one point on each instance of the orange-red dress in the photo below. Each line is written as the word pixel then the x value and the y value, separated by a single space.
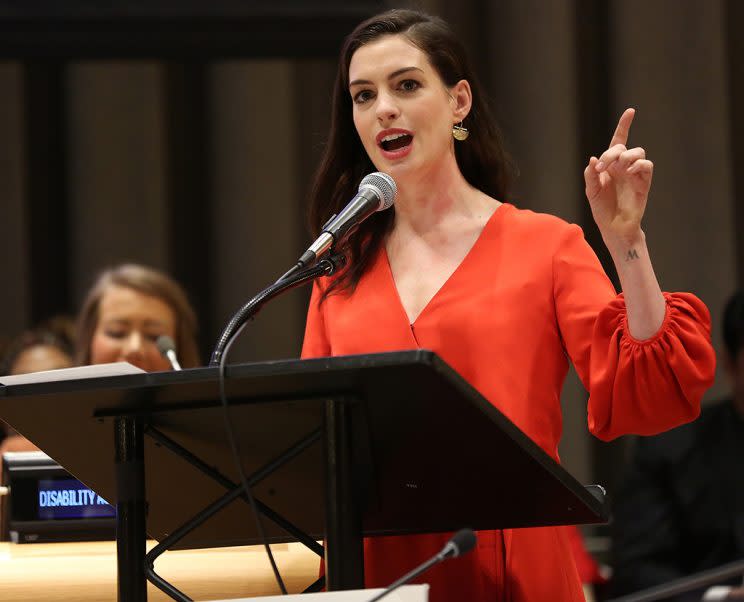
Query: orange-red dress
pixel 529 295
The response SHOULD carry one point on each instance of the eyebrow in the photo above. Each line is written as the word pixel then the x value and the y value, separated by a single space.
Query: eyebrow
pixel 393 75
pixel 126 322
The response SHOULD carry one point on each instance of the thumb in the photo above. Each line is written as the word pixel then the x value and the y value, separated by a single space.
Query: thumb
pixel 592 178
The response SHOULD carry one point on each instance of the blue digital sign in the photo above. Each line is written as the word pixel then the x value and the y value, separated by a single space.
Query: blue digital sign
pixel 69 498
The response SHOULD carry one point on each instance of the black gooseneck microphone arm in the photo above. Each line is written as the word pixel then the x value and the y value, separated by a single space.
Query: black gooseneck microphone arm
pixel 219 358
pixel 460 543
pixel 325 267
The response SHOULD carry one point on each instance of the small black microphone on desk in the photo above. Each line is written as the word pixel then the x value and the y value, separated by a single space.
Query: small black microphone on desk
pixel 460 543
pixel 167 349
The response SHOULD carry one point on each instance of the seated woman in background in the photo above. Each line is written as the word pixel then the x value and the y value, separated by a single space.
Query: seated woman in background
pixel 127 308
pixel 49 346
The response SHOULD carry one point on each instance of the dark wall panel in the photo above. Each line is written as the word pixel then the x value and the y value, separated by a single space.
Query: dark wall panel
pixel 188 28
pixel 15 306
pixel 117 154
pixel 46 188
pixel 735 63
pixel 186 115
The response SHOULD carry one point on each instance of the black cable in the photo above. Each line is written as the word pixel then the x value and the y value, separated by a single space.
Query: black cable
pixel 229 336
pixel 239 465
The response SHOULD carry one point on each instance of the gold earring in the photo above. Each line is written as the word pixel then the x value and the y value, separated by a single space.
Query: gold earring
pixel 459 132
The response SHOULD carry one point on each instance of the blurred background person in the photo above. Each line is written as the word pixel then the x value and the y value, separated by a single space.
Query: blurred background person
pixel 593 575
pixel 680 509
pixel 125 311
pixel 49 346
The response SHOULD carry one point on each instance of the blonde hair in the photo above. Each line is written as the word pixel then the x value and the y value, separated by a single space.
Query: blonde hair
pixel 148 282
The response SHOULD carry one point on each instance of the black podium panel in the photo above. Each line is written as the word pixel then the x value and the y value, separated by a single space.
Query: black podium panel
pixel 430 453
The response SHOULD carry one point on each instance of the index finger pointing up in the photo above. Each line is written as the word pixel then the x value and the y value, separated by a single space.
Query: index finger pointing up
pixel 623 128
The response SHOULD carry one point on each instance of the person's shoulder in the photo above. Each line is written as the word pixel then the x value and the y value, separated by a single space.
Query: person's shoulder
pixel 675 446
pixel 536 221
pixel 714 419
pixel 531 223
pixel 715 411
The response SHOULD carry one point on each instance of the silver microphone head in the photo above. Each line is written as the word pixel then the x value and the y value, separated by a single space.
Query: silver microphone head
pixel 167 349
pixel 384 185
pixel 165 344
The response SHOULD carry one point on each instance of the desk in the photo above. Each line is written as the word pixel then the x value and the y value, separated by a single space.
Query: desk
pixel 86 571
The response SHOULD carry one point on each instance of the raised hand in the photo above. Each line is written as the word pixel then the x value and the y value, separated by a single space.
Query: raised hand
pixel 617 185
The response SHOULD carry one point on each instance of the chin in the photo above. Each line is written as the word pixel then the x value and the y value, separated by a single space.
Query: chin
pixel 402 172
pixel 401 166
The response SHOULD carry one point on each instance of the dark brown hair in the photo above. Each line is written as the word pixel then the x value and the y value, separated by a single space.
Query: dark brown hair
pixel 57 332
pixel 148 282
pixel 481 159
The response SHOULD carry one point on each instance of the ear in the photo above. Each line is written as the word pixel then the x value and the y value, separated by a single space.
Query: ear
pixel 462 100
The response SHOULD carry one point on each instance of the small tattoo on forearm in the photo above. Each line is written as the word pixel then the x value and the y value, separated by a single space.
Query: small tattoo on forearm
pixel 632 254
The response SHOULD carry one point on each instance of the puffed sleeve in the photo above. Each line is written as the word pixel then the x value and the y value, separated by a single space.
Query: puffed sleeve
pixel 640 387
pixel 316 342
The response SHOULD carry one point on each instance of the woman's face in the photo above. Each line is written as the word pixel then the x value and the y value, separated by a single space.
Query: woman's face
pixel 129 323
pixel 402 110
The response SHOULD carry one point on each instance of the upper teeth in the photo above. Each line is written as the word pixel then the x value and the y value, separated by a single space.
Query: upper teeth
pixel 391 137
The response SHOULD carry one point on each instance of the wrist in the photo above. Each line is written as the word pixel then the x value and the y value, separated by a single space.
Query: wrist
pixel 625 244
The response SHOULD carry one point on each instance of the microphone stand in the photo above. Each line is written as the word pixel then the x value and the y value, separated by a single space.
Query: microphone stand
pixel 325 267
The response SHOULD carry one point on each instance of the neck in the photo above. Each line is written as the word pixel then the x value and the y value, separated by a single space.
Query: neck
pixel 429 198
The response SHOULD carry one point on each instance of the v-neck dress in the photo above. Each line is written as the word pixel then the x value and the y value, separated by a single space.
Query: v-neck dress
pixel 529 295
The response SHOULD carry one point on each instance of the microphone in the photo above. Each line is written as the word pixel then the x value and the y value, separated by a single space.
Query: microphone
pixel 376 193
pixel 167 349
pixel 460 543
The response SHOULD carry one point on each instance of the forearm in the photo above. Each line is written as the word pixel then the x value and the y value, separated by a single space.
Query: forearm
pixel 644 302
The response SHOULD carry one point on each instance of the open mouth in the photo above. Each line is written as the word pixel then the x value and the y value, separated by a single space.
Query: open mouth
pixel 395 142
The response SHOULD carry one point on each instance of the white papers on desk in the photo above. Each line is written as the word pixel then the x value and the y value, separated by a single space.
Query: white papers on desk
pixel 77 373
pixel 405 593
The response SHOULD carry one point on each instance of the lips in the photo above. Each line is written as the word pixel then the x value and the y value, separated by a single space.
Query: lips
pixel 394 143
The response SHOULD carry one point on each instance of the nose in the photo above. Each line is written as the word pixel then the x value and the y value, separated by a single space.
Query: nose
pixel 134 347
pixel 387 109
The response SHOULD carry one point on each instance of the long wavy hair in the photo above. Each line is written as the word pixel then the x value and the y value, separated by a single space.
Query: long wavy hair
pixel 482 159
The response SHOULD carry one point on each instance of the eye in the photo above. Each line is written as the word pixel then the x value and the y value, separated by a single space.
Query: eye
pixel 115 334
pixel 362 96
pixel 409 85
